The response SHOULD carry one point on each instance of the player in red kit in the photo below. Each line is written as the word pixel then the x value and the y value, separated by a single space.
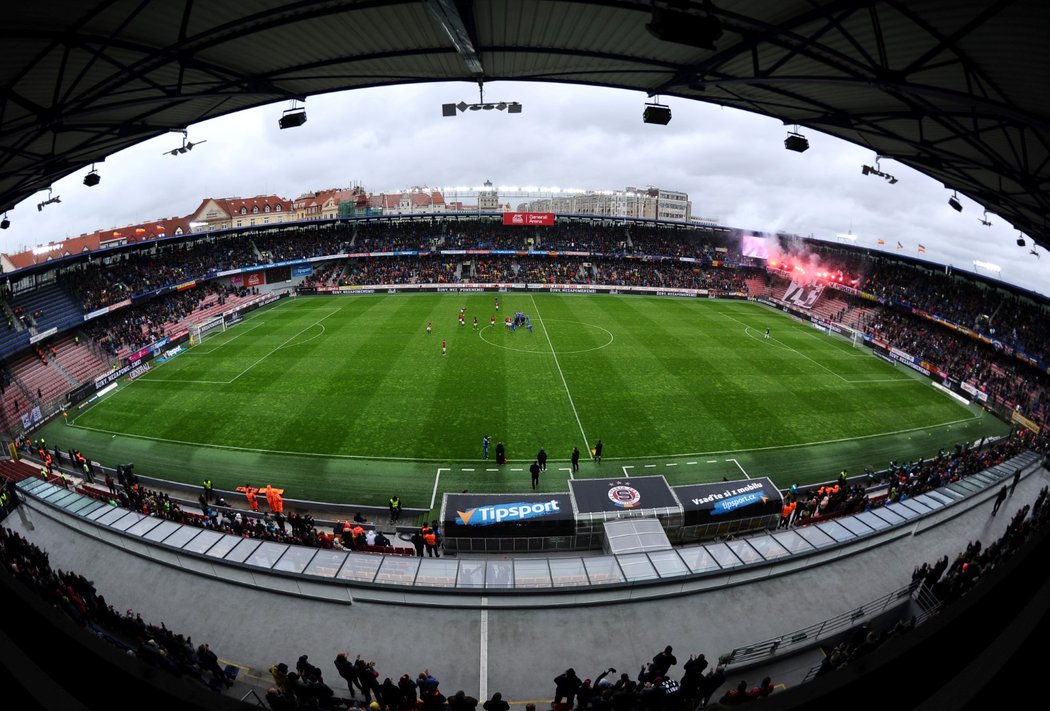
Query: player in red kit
pixel 443 348
pixel 430 325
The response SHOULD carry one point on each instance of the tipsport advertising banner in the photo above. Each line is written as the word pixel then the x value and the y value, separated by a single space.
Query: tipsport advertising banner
pixel 503 515
pixel 728 500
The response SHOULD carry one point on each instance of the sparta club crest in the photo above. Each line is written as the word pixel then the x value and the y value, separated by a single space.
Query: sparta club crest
pixel 624 496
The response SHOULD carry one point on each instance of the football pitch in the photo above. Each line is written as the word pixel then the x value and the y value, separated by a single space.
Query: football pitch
pixel 348 398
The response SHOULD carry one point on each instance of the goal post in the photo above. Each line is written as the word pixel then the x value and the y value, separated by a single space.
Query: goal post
pixel 198 331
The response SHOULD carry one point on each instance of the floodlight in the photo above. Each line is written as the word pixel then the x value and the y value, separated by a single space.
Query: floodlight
pixel 514 108
pixel 93 178
pixel 954 202
pixel 448 109
pixel 656 113
pixel 292 118
pixel 5 223
pixel 1021 242
pixel 796 142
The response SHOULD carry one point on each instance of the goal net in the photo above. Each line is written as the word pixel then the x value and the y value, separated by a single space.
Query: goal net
pixel 198 331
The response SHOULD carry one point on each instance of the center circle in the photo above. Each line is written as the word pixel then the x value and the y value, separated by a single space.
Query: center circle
pixel 538 330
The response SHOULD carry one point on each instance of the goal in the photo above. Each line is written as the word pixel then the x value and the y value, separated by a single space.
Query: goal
pixel 198 331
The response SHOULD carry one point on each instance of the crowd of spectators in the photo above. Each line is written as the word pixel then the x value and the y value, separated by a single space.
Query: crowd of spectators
pixel 76 597
pixel 903 480
pixel 133 327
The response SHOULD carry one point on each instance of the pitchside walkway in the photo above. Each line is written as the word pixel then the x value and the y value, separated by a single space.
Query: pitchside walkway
pixel 515 651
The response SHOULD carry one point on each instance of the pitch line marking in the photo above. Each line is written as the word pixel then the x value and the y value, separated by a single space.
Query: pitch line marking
pixel 626 467
pixel 483 666
pixel 226 342
pixel 233 448
pixel 672 464
pixel 517 469
pixel 558 365
pixel 784 345
pixel 315 323
pixel 780 343
pixel 437 478
pixel 492 470
pixel 712 461
pixel 746 475
pixel 649 466
pixel 465 469
pixel 690 462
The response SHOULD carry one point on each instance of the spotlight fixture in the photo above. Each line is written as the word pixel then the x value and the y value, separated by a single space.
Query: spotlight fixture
pixel 868 170
pixel 5 223
pixel 954 202
pixel 1020 241
pixel 656 113
pixel 93 178
pixel 984 220
pixel 186 145
pixel 795 141
pixel 292 117
pixel 50 201
pixel 674 25
pixel 511 107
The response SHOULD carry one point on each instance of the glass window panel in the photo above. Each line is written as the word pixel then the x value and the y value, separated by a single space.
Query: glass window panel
pixel 603 570
pixel 325 563
pixel 499 574
pixel 723 554
pixel 939 497
pixel 360 566
pixel 69 501
pixel 872 520
pixel 240 552
pixel 397 570
pixel 768 547
pixel 183 536
pixel 792 541
pixel 531 573
pixel 698 559
pixel 471 574
pixel 815 536
pixel 744 551
pixel 165 529
pixel 668 564
pixel 855 526
pixel 85 504
pixel 126 522
pixel 145 525
pixel 916 505
pixel 223 545
pixel 267 554
pixel 901 510
pixel 295 559
pixel 888 515
pixel 55 493
pixel 437 572
pixel 566 572
pixel 111 516
pixel 100 512
pixel 836 530
pixel 636 567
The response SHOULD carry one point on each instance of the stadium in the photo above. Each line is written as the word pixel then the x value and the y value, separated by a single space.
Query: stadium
pixel 752 441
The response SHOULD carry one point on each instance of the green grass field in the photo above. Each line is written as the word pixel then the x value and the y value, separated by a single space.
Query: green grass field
pixel 347 398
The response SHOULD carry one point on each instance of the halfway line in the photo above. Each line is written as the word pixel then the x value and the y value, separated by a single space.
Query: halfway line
pixel 558 365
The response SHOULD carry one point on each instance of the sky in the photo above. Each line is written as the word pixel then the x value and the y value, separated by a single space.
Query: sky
pixel 733 165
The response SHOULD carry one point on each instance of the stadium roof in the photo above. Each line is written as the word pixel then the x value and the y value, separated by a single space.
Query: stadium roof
pixel 952 88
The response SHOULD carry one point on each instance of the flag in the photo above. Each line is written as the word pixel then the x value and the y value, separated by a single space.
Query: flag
pixel 922 249
pixel 882 241
pixel 900 246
